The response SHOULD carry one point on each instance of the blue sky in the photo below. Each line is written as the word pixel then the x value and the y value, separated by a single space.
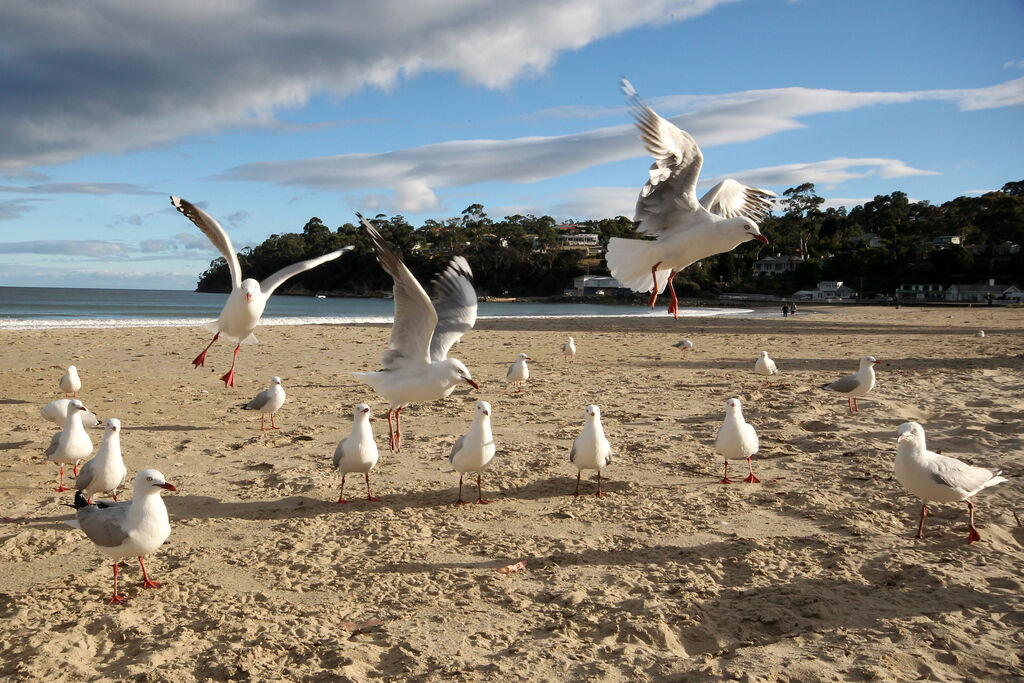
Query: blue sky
pixel 267 113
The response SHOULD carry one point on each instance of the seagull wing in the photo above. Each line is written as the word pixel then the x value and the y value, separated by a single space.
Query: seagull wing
pixel 339 452
pixel 844 385
pixel 958 475
pixel 215 233
pixel 274 281
pixel 669 198
pixel 104 526
pixel 415 317
pixel 731 198
pixel 85 474
pixel 455 304
pixel 456 447
pixel 261 400
pixel 54 444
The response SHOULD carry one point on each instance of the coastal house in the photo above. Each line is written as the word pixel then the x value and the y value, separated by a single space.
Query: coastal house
pixel 774 265
pixel 576 240
pixel 920 292
pixel 827 290
pixel 600 285
pixel 982 293
pixel 943 241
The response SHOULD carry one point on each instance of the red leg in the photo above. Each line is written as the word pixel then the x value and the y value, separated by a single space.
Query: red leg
pixel 117 598
pixel 479 492
pixel 856 408
pixel 725 477
pixel 973 534
pixel 920 527
pixel 751 479
pixel 849 403
pixel 398 428
pixel 654 292
pixel 600 493
pixel 115 496
pixel 201 358
pixel 369 496
pixel 460 501
pixel 76 469
pixel 262 422
pixel 272 425
pixel 146 582
pixel 577 491
pixel 673 305
pixel 341 496
pixel 229 377
pixel 62 487
pixel 391 432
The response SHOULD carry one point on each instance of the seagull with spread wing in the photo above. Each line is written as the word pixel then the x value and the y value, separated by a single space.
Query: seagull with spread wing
pixel 241 314
pixel 416 363
pixel 685 230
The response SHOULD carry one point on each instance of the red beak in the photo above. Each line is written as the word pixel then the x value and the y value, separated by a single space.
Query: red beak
pixel 878 362
pixel 473 384
pixel 366 410
pixel 761 238
pixel 166 485
pixel 248 295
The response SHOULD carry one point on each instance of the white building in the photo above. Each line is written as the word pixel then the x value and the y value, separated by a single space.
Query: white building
pixel 827 290
pixel 983 293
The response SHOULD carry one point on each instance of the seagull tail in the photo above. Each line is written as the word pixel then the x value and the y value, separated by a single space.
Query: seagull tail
pixel 630 262
pixel 994 480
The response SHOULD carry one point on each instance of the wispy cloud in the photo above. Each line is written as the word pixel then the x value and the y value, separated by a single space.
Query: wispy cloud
pixel 183 245
pixel 77 188
pixel 16 208
pixel 1018 64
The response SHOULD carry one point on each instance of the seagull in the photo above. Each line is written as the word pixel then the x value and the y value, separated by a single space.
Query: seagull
pixel 518 372
pixel 857 384
pixel 128 529
pixel 268 402
pixel 474 450
pixel 938 478
pixel 591 450
pixel 685 230
pixel 57 411
pixel 736 440
pixel 685 345
pixel 569 350
pixel 357 452
pixel 106 472
pixel 248 298
pixel 70 382
pixel 72 444
pixel 765 366
pixel 980 334
pixel 416 363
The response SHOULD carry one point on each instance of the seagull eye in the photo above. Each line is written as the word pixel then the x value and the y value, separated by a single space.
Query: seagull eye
pixel 149 478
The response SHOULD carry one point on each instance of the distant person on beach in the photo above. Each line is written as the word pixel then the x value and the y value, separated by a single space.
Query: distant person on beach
pixel 785 310
pixel 792 308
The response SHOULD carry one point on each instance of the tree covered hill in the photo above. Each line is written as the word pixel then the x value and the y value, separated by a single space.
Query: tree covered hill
pixel 884 243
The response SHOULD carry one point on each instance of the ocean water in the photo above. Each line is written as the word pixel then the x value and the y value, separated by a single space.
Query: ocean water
pixel 46 307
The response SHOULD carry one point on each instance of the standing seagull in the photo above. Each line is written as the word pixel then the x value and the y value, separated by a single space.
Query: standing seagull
pixel 686 230
pixel 736 440
pixel 130 529
pixel 248 297
pixel 591 450
pixel 474 450
pixel 416 363
pixel 72 444
pixel 857 384
pixel 684 345
pixel 937 478
pixel 57 411
pixel 357 452
pixel 268 402
pixel 70 382
pixel 765 366
pixel 518 372
pixel 106 472
pixel 569 350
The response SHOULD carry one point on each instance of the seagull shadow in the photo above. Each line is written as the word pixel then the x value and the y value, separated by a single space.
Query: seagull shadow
pixel 12 402
pixel 13 445
pixel 207 507
pixel 169 428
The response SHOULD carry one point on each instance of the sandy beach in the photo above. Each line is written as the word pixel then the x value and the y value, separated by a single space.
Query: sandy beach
pixel 807 576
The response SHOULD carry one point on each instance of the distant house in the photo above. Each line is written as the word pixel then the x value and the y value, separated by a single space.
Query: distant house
pixel 601 285
pixel 983 293
pixel 579 239
pixel 773 265
pixel 920 292
pixel 827 290
pixel 943 241
pixel 494 239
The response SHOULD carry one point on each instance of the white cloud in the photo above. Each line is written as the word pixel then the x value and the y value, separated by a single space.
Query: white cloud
pixel 829 173
pixel 77 188
pixel 1018 64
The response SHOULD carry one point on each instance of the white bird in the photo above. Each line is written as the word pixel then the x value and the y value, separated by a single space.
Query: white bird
pixel 134 528
pixel 106 472
pixel 474 450
pixel 518 372
pixel 244 307
pixel 736 440
pixel 765 366
pixel 591 449
pixel 72 444
pixel 684 345
pixel 268 402
pixel 686 230
pixel 357 452
pixel 416 363
pixel 857 384
pixel 569 350
pixel 70 382
pixel 937 478
pixel 980 334
pixel 57 411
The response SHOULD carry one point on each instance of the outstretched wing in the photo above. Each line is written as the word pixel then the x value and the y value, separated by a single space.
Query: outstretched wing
pixel 731 198
pixel 455 306
pixel 670 195
pixel 415 317
pixel 277 279
pixel 215 233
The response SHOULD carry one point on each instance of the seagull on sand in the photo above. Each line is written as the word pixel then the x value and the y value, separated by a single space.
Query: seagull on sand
pixel 736 440
pixel 765 366
pixel 106 472
pixel 684 345
pixel 357 452
pixel 980 334
pixel 857 384
pixel 591 450
pixel 667 209
pixel 268 402
pixel 938 478
pixel 569 350
pixel 248 298
pixel 70 382
pixel 474 450
pixel 416 363
pixel 72 444
pixel 128 529
pixel 518 372
pixel 57 411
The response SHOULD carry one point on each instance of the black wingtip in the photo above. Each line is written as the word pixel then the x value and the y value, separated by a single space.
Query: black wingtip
pixel 80 500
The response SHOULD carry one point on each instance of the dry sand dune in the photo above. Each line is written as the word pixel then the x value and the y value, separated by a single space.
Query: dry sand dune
pixel 806 577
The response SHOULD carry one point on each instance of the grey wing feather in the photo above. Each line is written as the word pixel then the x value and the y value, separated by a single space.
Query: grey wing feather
pixel 843 385
pixel 85 475
pixel 274 281
pixel 959 475
pixel 608 458
pixel 572 451
pixel 455 305
pixel 215 233
pixel 104 526
pixel 54 444
pixel 731 198
pixel 456 447
pixel 339 452
pixel 261 399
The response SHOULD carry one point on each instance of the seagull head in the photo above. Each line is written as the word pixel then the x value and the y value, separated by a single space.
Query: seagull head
pixel 732 406
pixel 592 413
pixel 149 478
pixel 113 425
pixel 764 354
pixel 460 373
pixel 910 433
pixel 868 361
pixel 483 408
pixel 360 410
pixel 72 370
pixel 74 405
pixel 523 356
pixel 250 288
pixel 275 380
pixel 750 229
